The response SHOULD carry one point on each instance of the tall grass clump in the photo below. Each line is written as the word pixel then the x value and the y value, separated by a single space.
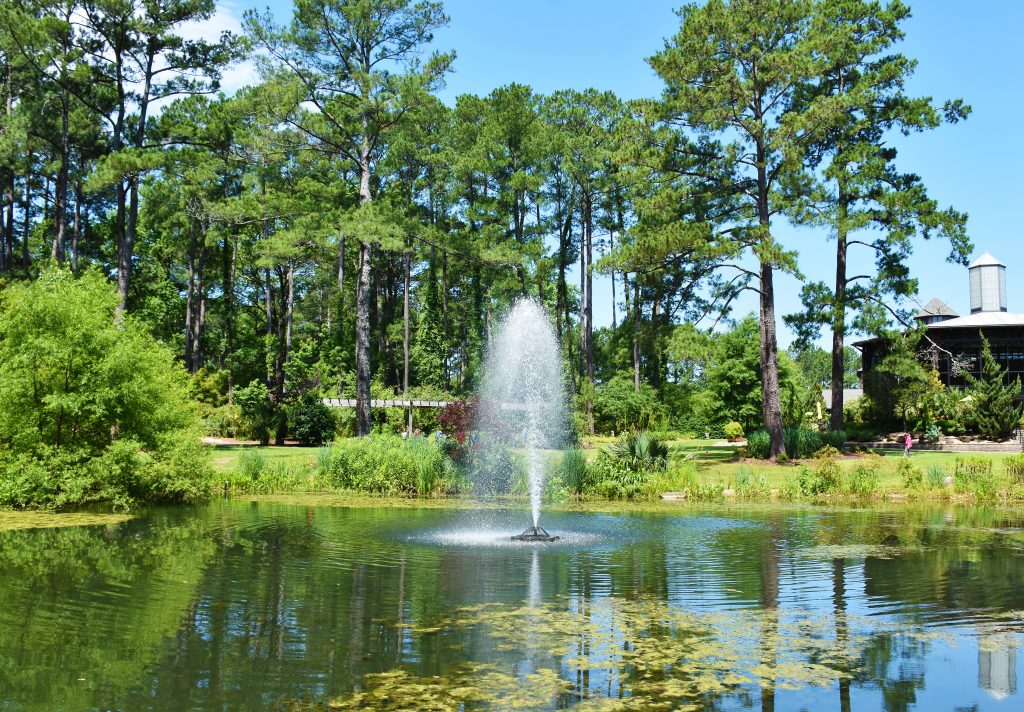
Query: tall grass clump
pixel 935 476
pixel 862 480
pixel 973 475
pixel 574 471
pixel 834 438
pixel 640 450
pixel 1015 467
pixel 387 465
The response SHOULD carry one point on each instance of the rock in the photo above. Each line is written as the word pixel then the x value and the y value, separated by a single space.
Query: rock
pixel 674 496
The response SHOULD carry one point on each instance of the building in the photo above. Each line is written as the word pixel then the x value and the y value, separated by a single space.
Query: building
pixel 953 342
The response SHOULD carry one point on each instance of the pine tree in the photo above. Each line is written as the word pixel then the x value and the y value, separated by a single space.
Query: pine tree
pixel 428 354
pixel 996 407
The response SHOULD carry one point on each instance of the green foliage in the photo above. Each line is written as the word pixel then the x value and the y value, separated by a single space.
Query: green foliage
pixel 911 476
pixel 863 479
pixel 733 431
pixel 801 443
pixel 639 450
pixel 995 410
pixel 429 350
pixel 834 438
pixel 974 475
pixel 258 411
pixel 935 476
pixel 1014 465
pixel 574 471
pixel 92 408
pixel 496 469
pixel 387 465
pixel 312 423
pixel 751 486
pixel 619 407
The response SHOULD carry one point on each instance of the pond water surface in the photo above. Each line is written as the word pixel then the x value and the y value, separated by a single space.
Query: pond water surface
pixel 264 605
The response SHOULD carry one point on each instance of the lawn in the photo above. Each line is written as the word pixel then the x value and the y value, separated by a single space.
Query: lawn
pixel 225 457
pixel 720 464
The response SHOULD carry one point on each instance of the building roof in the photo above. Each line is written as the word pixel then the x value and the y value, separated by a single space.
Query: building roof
pixel 980 319
pixel 849 394
pixel 986 260
pixel 936 307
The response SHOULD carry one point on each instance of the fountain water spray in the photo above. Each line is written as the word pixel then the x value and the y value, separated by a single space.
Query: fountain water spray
pixel 522 400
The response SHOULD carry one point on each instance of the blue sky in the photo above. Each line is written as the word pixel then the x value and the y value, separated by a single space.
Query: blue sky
pixel 964 49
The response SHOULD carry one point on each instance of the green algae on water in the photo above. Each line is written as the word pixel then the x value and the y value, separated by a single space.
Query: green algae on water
pixel 11 520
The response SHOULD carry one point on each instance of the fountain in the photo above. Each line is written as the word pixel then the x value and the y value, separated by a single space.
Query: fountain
pixel 522 399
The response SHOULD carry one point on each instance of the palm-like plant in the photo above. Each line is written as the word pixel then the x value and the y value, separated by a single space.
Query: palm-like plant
pixel 640 450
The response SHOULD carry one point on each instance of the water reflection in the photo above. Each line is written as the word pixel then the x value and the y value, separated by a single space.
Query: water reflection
pixel 244 605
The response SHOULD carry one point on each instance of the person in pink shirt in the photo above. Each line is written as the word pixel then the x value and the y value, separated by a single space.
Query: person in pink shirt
pixel 908 442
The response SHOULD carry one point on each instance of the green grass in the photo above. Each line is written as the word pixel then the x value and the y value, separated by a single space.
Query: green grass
pixel 715 465
pixel 225 457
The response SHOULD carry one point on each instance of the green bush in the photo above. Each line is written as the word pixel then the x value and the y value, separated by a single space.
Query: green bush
pixel 312 423
pixel 496 469
pixel 910 475
pixel 759 444
pixel 224 421
pixel 733 430
pixel 834 438
pixel 639 450
pixel 259 413
pixel 801 443
pixel 92 407
pixel 385 464
pixel 862 480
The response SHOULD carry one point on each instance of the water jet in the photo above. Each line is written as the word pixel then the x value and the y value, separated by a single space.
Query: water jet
pixel 522 401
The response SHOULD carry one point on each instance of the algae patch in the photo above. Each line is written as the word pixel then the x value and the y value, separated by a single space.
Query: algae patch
pixel 11 520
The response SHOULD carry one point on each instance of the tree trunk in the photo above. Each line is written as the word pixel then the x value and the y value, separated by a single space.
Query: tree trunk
pixel 636 332
pixel 589 311
pixel 76 230
pixel 60 207
pixel 26 255
pixel 770 398
pixel 611 249
pixel 839 318
pixel 406 266
pixel 363 368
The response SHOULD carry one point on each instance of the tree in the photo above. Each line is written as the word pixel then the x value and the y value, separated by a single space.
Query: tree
pixel 90 409
pixel 995 403
pixel 732 72
pixel 858 99
pixel 356 62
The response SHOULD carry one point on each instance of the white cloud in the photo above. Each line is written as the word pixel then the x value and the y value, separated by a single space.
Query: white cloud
pixel 227 18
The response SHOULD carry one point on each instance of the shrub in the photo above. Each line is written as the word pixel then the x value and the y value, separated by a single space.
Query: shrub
pixel 617 480
pixel 862 480
pixel 733 431
pixel 312 423
pixel 834 438
pixel 495 468
pixel 640 450
pixel 801 443
pixel 92 407
pixel 759 444
pixel 224 421
pixel 258 411
pixel 932 433
pixel 910 475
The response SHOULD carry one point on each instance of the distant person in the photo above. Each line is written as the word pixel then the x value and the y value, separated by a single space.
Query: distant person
pixel 908 442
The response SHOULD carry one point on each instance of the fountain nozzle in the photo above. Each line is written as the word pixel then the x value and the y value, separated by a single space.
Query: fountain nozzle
pixel 535 534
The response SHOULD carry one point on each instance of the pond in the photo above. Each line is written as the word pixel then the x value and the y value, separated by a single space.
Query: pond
pixel 293 605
